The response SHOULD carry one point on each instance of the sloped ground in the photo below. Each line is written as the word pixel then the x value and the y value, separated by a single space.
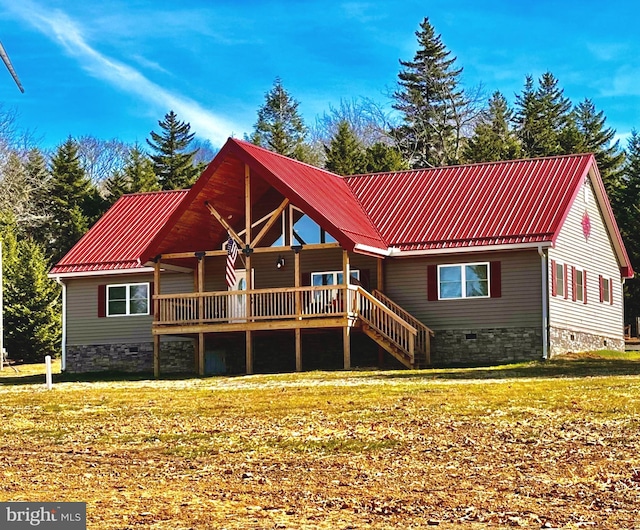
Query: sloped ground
pixel 536 445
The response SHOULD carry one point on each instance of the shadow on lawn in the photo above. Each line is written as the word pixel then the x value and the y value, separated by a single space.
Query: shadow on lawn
pixel 39 379
pixel 555 368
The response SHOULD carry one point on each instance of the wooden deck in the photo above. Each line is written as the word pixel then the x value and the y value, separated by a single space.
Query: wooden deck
pixel 335 306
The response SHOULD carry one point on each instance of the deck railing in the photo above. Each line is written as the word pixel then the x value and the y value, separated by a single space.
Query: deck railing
pixel 423 338
pixel 255 305
pixel 386 322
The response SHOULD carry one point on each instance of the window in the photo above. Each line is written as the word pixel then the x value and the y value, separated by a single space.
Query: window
pixel 333 277
pixel 560 287
pixel 606 286
pixel 579 285
pixel 463 281
pixel 131 299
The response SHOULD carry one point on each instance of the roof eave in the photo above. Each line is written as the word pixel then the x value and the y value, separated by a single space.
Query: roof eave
pixel 397 253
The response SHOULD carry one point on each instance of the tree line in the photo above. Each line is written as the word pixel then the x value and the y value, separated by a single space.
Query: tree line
pixel 49 200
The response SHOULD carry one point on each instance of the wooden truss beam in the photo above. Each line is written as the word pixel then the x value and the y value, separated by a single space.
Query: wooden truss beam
pixel 224 223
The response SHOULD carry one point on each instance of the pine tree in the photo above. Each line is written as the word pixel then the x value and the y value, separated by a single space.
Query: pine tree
pixel 31 312
pixel 628 218
pixel 345 155
pixel 381 157
pixel 541 117
pixel 280 127
pixel 493 138
pixel 592 136
pixel 136 176
pixel 172 161
pixel 433 107
pixel 71 201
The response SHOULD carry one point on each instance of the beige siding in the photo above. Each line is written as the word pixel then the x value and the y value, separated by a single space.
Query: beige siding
pixel 520 305
pixel 84 327
pixel 595 255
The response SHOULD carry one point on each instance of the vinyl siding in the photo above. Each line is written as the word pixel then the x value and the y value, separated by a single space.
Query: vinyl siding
pixel 84 327
pixel 520 305
pixel 594 254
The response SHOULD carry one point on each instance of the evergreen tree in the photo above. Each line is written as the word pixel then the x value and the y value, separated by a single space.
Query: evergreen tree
pixel 72 201
pixel 587 127
pixel 493 138
pixel 541 117
pixel 628 217
pixel 434 109
pixel 173 162
pixel 381 157
pixel 345 155
pixel 32 317
pixel 136 176
pixel 280 127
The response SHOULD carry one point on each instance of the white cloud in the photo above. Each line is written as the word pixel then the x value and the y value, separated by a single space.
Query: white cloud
pixel 69 35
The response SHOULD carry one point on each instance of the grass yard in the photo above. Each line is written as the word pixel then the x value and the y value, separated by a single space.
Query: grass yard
pixel 531 445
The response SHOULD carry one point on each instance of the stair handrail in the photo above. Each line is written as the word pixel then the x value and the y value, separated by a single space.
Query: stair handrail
pixel 400 311
pixel 424 332
pixel 409 349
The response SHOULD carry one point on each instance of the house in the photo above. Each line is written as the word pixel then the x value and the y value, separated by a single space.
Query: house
pixel 482 263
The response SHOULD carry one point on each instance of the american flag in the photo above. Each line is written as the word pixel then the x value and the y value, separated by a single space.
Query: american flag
pixel 232 254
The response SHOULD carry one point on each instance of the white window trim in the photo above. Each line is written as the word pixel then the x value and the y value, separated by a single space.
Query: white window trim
pixel 565 293
pixel 575 283
pixel 463 280
pixel 128 300
pixel 607 299
pixel 352 272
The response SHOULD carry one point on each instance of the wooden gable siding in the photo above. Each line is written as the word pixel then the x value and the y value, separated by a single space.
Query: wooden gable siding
pixel 595 255
pixel 520 303
pixel 85 327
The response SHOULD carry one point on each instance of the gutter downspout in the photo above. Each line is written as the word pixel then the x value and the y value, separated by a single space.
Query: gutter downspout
pixel 63 366
pixel 545 303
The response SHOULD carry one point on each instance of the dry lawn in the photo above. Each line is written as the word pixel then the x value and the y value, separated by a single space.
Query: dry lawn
pixel 536 445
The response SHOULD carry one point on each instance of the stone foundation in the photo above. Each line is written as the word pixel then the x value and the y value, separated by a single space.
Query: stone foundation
pixel 565 341
pixel 175 357
pixel 486 346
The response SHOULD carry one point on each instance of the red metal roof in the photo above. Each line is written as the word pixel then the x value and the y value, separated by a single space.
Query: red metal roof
pixel 461 207
pixel 322 195
pixel 122 234
pixel 513 202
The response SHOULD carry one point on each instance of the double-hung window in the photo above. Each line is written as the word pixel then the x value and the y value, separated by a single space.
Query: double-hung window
pixel 128 299
pixel 468 280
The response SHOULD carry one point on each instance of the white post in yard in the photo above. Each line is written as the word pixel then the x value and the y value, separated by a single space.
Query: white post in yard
pixel 49 381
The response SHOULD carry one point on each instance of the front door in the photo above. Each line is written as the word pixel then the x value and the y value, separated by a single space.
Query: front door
pixel 238 302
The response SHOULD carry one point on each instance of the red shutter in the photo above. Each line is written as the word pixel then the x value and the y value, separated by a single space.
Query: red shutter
pixel 554 280
pixel 306 278
pixel 574 283
pixel 584 286
pixel 565 271
pixel 496 279
pixel 102 301
pixel 601 288
pixel 432 282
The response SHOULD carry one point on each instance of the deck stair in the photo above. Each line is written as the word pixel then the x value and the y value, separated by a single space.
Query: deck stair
pixel 398 332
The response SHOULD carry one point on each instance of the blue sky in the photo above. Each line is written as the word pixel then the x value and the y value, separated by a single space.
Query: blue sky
pixel 113 68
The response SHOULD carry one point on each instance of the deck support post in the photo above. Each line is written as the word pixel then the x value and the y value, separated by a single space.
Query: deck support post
pixel 380 275
pixel 156 317
pixel 247 239
pixel 297 282
pixel 346 331
pixel 346 344
pixel 200 353
pixel 200 289
pixel 156 356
